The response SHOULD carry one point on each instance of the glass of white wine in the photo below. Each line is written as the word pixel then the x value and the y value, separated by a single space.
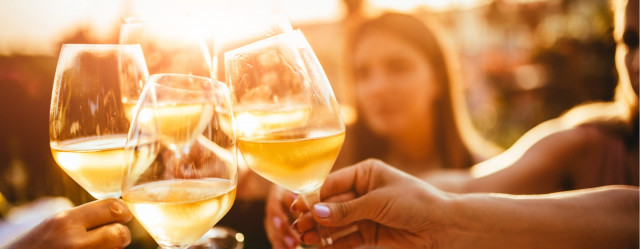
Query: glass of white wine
pixel 288 122
pixel 181 174
pixel 87 122
pixel 174 45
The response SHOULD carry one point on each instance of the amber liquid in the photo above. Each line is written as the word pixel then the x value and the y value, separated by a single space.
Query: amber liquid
pixel 95 163
pixel 178 125
pixel 258 122
pixel 298 162
pixel 129 106
pixel 178 212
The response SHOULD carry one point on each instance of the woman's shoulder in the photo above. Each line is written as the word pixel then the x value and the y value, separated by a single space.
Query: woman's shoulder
pixel 598 134
pixel 607 158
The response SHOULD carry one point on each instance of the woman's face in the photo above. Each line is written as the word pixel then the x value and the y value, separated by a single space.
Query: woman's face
pixel 395 85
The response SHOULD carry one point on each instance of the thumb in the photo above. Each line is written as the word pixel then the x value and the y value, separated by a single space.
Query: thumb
pixel 334 214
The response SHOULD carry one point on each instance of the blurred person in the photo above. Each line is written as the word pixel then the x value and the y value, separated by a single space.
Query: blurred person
pixel 98 224
pixel 411 103
pixel 395 210
pixel 593 147
pixel 409 95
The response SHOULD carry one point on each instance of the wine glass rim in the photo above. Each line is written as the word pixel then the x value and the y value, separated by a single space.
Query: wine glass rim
pixel 136 19
pixel 98 45
pixel 166 21
pixel 259 43
pixel 215 84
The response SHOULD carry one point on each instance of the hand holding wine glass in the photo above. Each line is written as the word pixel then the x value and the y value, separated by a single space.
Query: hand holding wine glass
pixel 87 123
pixel 288 123
pixel 181 172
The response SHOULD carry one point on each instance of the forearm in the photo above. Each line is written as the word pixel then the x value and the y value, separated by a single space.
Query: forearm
pixel 449 180
pixel 604 217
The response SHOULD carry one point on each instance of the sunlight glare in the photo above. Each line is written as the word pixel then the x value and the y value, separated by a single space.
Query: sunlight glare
pixel 437 5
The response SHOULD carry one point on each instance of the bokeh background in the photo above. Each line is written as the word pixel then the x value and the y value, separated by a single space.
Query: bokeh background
pixel 523 61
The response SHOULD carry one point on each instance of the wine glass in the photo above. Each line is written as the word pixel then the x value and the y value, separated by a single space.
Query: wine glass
pixel 288 124
pixel 87 120
pixel 173 46
pixel 181 171
pixel 169 46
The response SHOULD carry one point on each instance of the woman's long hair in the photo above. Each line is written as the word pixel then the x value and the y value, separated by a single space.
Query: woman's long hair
pixel 620 116
pixel 453 130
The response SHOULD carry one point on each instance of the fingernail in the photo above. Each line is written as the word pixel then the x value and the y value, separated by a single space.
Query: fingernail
pixel 293 208
pixel 301 237
pixel 116 208
pixel 295 225
pixel 291 242
pixel 321 210
pixel 277 222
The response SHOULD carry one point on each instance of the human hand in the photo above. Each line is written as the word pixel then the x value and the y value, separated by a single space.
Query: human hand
pixel 278 218
pixel 97 224
pixel 390 208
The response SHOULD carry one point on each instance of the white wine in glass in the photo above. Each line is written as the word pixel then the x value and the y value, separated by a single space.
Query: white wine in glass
pixel 173 45
pixel 87 122
pixel 191 182
pixel 287 119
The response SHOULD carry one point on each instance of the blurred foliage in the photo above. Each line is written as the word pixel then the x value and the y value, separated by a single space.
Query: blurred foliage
pixel 552 55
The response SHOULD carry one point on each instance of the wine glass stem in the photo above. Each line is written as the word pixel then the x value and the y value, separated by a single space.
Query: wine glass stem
pixel 310 199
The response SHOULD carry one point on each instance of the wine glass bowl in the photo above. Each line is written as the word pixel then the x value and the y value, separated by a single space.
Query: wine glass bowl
pixel 169 46
pixel 87 122
pixel 181 172
pixel 288 124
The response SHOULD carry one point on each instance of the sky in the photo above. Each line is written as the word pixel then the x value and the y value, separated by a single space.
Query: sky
pixel 35 27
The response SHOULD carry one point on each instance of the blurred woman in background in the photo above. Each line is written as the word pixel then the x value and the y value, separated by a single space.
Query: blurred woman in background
pixel 592 150
pixel 410 99
pixel 411 103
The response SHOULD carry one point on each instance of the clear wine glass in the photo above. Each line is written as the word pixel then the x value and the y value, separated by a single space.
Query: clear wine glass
pixel 172 45
pixel 87 122
pixel 169 46
pixel 181 174
pixel 288 123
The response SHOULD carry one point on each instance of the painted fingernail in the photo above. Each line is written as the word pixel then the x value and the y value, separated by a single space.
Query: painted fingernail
pixel 321 210
pixel 291 242
pixel 295 225
pixel 277 221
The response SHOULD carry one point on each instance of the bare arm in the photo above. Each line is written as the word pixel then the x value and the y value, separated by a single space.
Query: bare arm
pixel 605 217
pixel 395 210
pixel 539 162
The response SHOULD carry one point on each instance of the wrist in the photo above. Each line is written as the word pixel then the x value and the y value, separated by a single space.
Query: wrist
pixel 464 227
